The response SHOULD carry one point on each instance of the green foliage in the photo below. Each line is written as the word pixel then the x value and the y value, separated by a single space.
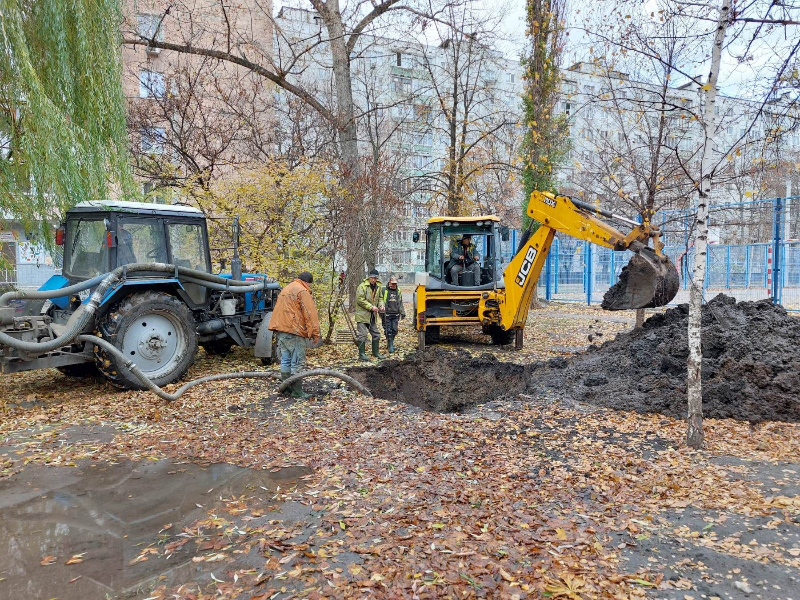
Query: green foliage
pixel 62 115
pixel 546 140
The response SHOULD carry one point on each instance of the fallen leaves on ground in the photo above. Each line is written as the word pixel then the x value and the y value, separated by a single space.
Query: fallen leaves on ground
pixel 540 500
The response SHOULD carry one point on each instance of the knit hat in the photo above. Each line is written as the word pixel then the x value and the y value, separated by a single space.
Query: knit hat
pixel 392 279
pixel 373 273
pixel 306 276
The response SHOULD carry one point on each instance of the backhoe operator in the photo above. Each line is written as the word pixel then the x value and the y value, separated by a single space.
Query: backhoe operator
pixel 464 258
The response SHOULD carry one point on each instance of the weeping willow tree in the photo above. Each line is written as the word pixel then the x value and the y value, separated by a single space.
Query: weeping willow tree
pixel 546 133
pixel 62 118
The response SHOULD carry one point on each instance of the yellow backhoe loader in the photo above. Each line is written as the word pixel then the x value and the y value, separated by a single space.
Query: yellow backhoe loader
pixel 476 293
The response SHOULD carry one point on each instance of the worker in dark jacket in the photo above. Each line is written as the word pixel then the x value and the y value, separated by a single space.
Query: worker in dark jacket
pixel 464 257
pixel 295 322
pixel 393 311
pixel 368 307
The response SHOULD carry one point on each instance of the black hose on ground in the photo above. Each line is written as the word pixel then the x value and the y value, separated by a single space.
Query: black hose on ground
pixel 169 397
pixel 326 373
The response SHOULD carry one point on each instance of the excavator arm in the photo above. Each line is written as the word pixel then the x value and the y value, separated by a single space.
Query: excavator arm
pixel 649 280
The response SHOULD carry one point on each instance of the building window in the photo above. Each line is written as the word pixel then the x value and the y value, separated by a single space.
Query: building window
pixel 152 84
pixel 401 85
pixel 399 58
pixel 509 77
pixel 153 140
pixel 149 27
pixel 419 161
pixel 423 138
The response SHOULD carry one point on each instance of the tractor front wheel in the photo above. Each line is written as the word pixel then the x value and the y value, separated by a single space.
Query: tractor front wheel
pixel 501 337
pixel 156 331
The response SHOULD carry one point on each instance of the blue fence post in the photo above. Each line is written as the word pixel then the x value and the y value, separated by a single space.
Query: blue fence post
pixel 747 267
pixel 589 273
pixel 611 268
pixel 776 253
pixel 728 266
pixel 548 271
pixel 557 246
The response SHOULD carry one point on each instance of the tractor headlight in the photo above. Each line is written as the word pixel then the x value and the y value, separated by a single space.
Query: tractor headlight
pixel 447 223
pixel 479 223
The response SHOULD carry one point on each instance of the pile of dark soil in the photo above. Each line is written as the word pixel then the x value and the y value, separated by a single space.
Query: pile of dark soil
pixel 751 364
pixel 751 369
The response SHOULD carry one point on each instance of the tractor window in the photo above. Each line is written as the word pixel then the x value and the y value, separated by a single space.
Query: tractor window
pixel 141 241
pixel 85 248
pixel 188 246
pixel 433 260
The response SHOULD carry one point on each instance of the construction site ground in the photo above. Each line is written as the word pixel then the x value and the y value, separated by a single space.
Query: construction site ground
pixel 476 471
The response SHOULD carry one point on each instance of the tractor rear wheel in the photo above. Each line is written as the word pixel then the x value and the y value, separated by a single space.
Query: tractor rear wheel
pixel 156 331
pixel 501 337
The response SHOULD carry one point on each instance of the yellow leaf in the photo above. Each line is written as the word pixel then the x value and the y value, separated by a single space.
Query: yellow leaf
pixel 506 575
pixel 706 87
pixel 561 534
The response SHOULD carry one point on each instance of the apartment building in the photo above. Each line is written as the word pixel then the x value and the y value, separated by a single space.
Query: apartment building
pixel 400 87
pixel 186 111
pixel 616 126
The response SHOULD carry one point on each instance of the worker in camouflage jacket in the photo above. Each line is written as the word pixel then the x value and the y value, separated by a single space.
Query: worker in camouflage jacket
pixel 393 311
pixel 368 306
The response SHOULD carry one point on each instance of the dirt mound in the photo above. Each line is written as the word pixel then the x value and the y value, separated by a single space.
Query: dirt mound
pixel 443 380
pixel 751 369
pixel 751 365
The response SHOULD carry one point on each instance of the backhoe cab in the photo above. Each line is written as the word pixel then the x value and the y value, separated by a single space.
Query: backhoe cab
pixel 500 304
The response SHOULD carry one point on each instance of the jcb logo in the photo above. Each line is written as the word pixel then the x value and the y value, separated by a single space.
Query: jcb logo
pixel 525 269
pixel 549 201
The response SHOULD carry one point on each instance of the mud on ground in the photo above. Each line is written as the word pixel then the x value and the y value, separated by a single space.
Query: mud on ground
pixel 751 369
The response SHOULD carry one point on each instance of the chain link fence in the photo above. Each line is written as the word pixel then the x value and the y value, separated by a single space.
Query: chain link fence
pixel 753 253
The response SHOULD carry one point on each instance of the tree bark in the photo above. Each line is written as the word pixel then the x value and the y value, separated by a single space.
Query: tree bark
pixel 694 430
pixel 639 317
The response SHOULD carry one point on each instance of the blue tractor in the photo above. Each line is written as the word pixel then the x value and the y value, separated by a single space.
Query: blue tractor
pixel 140 277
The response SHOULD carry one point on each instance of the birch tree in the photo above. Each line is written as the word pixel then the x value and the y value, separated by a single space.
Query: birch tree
pixel 694 383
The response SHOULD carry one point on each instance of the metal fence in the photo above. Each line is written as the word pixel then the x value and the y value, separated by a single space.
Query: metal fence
pixel 753 253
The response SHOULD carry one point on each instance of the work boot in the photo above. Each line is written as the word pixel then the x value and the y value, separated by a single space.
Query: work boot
pixel 362 353
pixel 390 343
pixel 376 352
pixel 284 376
pixel 297 390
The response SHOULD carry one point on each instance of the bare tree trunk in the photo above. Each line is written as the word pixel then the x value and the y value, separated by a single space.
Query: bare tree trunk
pixel 694 385
pixel 639 318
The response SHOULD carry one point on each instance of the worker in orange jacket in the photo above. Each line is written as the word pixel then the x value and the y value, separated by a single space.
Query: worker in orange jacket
pixel 296 322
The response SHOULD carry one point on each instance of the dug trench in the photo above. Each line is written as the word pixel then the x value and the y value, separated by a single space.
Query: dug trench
pixel 751 369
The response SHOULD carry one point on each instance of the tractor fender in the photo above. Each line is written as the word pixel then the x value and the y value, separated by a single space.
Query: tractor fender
pixel 263 347
pixel 171 286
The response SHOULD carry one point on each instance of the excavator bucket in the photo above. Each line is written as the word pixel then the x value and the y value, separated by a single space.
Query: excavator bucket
pixel 647 281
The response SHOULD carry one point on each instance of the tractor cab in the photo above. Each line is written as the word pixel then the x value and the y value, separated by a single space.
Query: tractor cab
pixel 443 240
pixel 101 236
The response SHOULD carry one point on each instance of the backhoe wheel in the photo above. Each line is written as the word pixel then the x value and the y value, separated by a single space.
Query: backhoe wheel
pixel 500 337
pixel 156 331
pixel 432 334
pixel 218 347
